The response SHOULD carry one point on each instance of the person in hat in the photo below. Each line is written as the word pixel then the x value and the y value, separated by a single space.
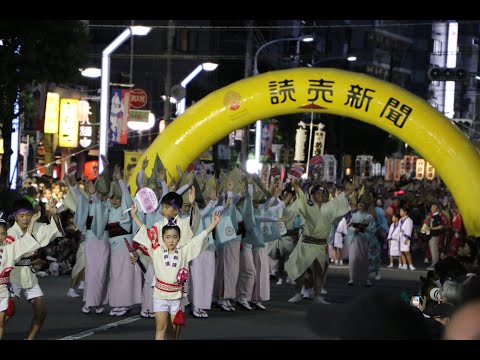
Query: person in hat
pixel 102 182
pixel 311 249
pixel 283 247
pixel 30 236
pixel 91 203
pixel 156 181
pixel 254 283
pixel 228 243
pixel 361 232
pixel 125 278
pixel 170 260
pixel 269 217
pixel 4 273
pixel 89 209
pixel 160 217
pixel 11 250
pixel 203 267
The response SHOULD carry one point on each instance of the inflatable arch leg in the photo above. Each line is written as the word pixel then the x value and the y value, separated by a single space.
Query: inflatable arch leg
pixel 333 91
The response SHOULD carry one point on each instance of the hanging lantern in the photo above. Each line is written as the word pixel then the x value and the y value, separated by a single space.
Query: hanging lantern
pixel 300 139
pixel 420 169
pixel 429 171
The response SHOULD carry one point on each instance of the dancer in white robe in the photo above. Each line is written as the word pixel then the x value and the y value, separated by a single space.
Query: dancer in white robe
pixel 170 259
pixel 22 278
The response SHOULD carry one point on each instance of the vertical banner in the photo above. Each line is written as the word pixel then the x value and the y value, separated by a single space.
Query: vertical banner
pixel 402 167
pixel 413 166
pixel 86 128
pixel 408 165
pixel 119 108
pixel 267 140
pixel 359 165
pixel 420 169
pixel 329 168
pixel 131 159
pixel 52 108
pixel 368 168
pixel 397 169
pixel 388 169
pixel 318 142
pixel 68 132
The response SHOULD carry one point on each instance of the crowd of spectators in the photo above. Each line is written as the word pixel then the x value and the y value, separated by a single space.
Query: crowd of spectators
pixel 48 196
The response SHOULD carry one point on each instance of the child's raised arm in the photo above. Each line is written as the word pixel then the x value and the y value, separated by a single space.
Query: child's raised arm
pixel 133 214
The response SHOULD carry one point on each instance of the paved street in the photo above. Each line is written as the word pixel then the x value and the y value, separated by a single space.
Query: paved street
pixel 281 320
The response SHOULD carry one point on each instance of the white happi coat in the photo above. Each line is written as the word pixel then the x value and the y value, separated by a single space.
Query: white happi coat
pixel 15 246
pixel 393 238
pixel 318 221
pixel 165 270
pixel 202 268
pixel 42 234
pixel 406 231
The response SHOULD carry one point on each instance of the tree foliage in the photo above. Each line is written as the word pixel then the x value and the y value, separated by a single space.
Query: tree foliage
pixel 42 51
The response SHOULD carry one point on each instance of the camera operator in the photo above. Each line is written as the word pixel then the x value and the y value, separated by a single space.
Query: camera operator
pixel 439 318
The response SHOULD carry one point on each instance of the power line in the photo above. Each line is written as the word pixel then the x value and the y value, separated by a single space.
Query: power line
pixel 237 28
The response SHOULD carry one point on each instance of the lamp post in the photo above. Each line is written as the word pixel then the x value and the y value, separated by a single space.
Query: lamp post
pixel 349 58
pixel 105 85
pixel 207 66
pixel 258 124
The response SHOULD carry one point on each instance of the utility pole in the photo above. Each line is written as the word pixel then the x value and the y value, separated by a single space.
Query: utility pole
pixel 167 106
pixel 131 55
pixel 248 73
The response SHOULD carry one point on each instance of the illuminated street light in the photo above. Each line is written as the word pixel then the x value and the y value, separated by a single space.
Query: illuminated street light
pixel 105 86
pixel 142 125
pixel 350 58
pixel 91 72
pixel 258 124
pixel 207 66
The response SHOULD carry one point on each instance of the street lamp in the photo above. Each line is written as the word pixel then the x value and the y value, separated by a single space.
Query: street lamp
pixel 91 72
pixel 350 58
pixel 207 66
pixel 105 86
pixel 258 124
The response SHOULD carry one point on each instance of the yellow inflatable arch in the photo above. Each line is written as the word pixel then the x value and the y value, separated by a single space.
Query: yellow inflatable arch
pixel 332 91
